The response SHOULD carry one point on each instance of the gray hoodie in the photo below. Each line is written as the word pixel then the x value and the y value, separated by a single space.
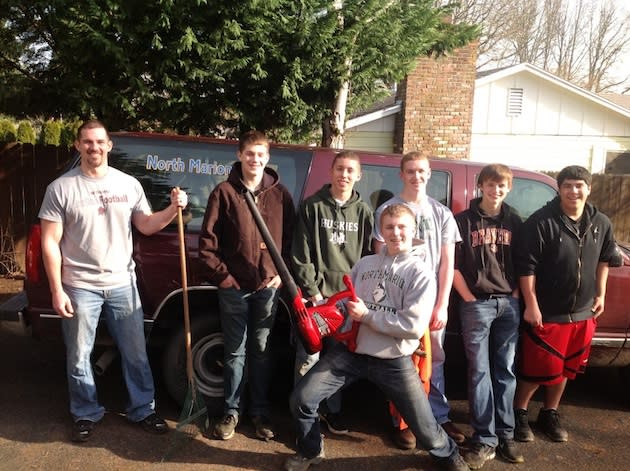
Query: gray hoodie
pixel 399 292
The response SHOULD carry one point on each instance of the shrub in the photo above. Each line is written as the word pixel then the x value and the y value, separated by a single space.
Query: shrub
pixel 51 133
pixel 69 132
pixel 25 133
pixel 7 130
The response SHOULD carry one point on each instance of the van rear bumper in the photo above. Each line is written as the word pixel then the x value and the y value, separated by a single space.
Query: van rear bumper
pixel 610 351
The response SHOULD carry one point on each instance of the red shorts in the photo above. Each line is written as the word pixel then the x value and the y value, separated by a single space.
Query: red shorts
pixel 553 352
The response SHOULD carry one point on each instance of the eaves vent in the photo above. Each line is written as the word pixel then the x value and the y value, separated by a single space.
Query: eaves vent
pixel 515 102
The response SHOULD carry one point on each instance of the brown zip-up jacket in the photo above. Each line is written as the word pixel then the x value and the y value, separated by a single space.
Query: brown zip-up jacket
pixel 230 242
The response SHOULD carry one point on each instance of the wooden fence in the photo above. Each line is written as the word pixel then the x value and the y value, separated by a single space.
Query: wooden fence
pixel 25 171
pixel 611 195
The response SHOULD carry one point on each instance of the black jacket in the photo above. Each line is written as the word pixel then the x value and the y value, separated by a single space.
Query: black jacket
pixel 563 260
pixel 484 257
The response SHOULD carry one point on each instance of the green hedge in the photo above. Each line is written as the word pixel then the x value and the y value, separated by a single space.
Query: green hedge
pixel 26 133
pixel 32 131
pixel 8 133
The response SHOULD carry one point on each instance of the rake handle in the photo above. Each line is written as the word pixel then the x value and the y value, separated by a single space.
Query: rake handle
pixel 182 266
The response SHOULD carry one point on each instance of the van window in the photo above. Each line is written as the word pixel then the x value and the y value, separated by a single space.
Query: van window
pixel 379 183
pixel 528 195
pixel 195 167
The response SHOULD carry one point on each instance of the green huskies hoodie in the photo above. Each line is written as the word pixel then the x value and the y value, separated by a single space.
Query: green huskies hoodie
pixel 328 240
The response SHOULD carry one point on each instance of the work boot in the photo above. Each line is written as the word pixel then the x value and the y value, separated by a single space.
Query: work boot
pixel 522 430
pixel 549 422
pixel 404 439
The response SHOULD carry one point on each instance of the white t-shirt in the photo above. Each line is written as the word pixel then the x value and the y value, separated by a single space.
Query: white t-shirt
pixel 435 226
pixel 96 245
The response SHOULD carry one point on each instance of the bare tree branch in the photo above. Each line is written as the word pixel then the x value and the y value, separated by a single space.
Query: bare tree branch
pixel 581 41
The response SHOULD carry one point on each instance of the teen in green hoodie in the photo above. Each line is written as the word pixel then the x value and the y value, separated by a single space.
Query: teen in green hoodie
pixel 332 232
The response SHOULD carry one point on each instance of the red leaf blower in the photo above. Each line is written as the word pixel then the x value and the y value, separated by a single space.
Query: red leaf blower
pixel 313 322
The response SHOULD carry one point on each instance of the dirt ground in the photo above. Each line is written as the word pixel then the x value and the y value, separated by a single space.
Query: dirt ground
pixel 35 425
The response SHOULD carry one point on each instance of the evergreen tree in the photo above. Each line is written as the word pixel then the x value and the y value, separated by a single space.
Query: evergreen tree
pixel 213 67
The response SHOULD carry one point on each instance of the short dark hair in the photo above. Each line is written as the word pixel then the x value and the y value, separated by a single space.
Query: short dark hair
pixel 252 137
pixel 495 172
pixel 574 172
pixel 91 124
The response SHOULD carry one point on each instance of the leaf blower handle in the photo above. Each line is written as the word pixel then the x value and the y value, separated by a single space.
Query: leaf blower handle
pixel 351 339
pixel 348 282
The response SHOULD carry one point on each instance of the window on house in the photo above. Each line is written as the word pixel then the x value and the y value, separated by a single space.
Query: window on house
pixel 618 162
pixel 515 102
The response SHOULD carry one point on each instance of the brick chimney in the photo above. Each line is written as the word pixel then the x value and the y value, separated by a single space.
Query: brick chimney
pixel 437 103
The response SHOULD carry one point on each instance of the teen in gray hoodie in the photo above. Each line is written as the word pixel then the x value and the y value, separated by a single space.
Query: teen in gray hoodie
pixel 396 292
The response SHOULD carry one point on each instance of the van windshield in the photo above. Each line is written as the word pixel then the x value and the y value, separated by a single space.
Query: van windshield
pixel 195 167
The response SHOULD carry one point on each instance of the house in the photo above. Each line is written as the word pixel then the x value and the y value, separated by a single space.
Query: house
pixel 520 116
pixel 525 116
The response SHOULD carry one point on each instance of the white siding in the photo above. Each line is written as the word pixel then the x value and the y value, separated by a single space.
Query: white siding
pixel 545 153
pixel 557 127
pixel 548 109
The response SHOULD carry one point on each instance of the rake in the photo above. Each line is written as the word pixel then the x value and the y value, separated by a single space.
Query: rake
pixel 192 419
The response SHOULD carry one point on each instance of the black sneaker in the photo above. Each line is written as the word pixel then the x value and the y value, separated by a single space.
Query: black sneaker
pixel 224 430
pixel 452 463
pixel 549 422
pixel 82 430
pixel 507 450
pixel 522 430
pixel 264 429
pixel 154 424
pixel 478 454
pixel 334 423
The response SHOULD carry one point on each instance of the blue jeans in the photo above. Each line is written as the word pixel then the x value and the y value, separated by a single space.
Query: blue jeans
pixel 246 321
pixel 123 314
pixel 490 334
pixel 397 378
pixel 304 362
pixel 437 396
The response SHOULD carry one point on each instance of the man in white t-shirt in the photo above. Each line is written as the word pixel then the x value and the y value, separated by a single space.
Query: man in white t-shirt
pixel 86 219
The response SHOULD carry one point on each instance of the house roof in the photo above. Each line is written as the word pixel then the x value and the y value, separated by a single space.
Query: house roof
pixel 381 109
pixel 496 74
pixel 621 100
pixel 617 103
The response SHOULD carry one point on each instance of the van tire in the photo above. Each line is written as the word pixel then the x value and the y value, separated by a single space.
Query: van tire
pixel 207 353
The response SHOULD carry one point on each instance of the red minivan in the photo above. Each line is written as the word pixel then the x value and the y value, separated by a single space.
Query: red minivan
pixel 196 165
